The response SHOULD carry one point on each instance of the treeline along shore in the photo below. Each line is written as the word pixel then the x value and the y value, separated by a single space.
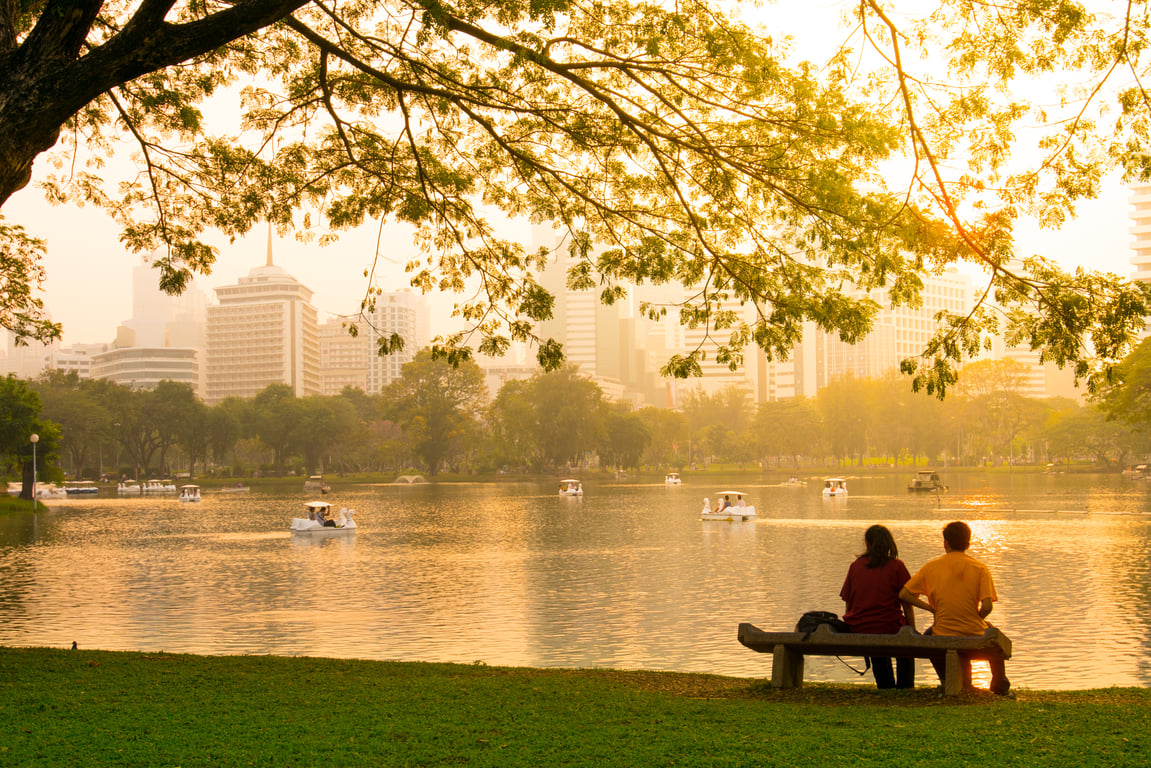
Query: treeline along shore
pixel 85 707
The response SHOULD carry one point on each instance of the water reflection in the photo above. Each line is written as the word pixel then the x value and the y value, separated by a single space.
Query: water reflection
pixel 627 576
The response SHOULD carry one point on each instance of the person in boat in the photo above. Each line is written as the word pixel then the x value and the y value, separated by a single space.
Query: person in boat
pixel 739 501
pixel 872 594
pixel 322 518
pixel 960 594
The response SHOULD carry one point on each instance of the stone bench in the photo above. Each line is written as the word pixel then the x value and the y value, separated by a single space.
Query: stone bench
pixel 789 648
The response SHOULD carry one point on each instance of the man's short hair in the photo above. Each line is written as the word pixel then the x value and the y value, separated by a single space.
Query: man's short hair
pixel 957 535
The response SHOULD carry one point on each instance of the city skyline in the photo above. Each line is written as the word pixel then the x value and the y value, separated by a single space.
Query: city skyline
pixel 85 256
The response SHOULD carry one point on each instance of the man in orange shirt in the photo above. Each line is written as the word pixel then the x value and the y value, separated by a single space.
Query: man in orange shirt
pixel 960 593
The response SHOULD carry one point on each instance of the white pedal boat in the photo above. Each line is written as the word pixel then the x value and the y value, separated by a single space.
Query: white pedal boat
pixel 318 511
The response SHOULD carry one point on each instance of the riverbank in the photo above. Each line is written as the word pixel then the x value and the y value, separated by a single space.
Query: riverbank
pixel 709 473
pixel 10 504
pixel 85 708
pixel 772 475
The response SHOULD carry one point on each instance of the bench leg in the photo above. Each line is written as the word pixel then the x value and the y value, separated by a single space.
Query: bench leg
pixel 786 668
pixel 952 675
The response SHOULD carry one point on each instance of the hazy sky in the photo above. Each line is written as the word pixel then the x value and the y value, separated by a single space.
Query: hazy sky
pixel 89 273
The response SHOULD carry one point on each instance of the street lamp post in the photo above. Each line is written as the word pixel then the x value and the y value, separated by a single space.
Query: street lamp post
pixel 35 438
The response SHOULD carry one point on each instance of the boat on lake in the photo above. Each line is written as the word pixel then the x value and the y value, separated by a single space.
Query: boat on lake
pixel 834 487
pixel 732 507
pixel 571 488
pixel 189 493
pixel 129 488
pixel 159 486
pixel 80 488
pixel 672 478
pixel 314 523
pixel 50 491
pixel 316 483
pixel 926 480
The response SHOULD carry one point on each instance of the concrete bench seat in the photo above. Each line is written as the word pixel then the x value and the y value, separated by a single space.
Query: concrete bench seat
pixel 789 648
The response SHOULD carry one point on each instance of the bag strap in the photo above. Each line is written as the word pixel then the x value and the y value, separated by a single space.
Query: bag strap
pixel 866 666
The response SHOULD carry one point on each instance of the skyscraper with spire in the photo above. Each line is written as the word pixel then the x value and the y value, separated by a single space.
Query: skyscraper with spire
pixel 264 330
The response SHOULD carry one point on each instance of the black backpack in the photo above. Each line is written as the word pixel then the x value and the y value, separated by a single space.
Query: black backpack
pixel 809 621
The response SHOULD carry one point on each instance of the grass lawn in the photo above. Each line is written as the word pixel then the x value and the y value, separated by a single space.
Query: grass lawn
pixel 96 708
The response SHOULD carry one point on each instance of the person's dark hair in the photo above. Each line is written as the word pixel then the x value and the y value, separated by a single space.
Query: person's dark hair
pixel 880 545
pixel 957 535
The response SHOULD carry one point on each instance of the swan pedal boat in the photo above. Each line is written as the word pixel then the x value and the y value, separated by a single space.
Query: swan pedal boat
pixel 734 513
pixel 571 488
pixel 345 524
pixel 834 487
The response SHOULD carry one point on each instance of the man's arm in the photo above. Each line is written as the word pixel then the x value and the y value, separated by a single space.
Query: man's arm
pixel 910 599
pixel 984 606
pixel 909 615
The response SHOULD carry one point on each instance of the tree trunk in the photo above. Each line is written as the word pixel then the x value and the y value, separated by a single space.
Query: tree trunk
pixel 45 81
pixel 26 481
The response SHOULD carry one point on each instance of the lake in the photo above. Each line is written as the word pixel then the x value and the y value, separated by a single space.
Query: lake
pixel 627 576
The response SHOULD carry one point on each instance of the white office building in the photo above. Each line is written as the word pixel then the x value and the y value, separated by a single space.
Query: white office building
pixel 263 331
pixel 145 367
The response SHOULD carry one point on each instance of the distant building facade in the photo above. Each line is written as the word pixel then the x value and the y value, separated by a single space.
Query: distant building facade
pixel 75 359
pixel 26 361
pixel 1140 229
pixel 348 360
pixel 145 367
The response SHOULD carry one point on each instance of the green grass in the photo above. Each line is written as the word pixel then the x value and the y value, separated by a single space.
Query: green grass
pixel 9 504
pixel 94 708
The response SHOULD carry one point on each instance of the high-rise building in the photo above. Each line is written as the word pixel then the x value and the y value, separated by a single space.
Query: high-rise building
pixel 1140 230
pixel 162 341
pixel 601 339
pixel 897 332
pixel 263 331
pixel 348 360
pixel 718 376
pixel 160 319
pixel 397 312
pixel 344 358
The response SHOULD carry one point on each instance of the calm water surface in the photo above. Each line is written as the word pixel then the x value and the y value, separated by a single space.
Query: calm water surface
pixel 626 577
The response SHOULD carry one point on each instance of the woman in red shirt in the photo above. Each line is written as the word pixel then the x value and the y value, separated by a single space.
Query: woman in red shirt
pixel 871 591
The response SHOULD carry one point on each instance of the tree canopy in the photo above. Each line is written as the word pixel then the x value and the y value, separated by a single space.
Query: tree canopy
pixel 668 143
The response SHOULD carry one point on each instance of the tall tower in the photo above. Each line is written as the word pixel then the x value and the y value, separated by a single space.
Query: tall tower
pixel 263 331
